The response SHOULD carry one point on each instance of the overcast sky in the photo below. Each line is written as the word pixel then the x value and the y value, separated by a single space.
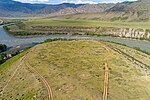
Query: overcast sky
pixel 72 1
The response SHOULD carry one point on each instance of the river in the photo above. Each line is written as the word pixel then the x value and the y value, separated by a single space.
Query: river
pixel 10 40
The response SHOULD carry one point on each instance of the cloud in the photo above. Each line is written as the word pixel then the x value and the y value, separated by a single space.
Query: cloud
pixel 33 1
pixel 93 1
pixel 114 1
pixel 73 1
pixel 79 1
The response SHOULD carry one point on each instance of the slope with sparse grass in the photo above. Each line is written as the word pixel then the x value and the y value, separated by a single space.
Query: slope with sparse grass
pixel 126 11
pixel 75 70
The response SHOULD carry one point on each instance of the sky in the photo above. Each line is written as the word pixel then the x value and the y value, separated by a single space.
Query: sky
pixel 72 1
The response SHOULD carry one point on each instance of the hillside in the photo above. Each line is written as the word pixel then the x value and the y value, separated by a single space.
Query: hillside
pixel 13 8
pixel 89 8
pixel 53 8
pixel 10 8
pixel 125 11
pixel 140 9
pixel 75 70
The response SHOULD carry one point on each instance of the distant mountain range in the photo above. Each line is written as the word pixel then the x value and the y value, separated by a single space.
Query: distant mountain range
pixel 138 10
pixel 89 8
pixel 10 8
pixel 131 11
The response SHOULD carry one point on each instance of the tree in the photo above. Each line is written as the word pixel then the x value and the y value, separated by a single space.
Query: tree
pixel 3 47
pixel 14 53
pixel 3 57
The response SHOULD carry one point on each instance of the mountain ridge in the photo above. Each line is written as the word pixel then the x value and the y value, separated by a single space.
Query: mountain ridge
pixel 126 11
pixel 10 8
pixel 129 11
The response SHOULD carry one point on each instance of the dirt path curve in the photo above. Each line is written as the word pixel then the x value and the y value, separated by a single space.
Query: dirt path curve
pixel 50 95
pixel 22 60
pixel 48 87
pixel 20 63
pixel 105 92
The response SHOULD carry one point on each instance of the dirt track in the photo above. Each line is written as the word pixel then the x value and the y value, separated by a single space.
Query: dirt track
pixel 7 83
pixel 105 92
pixel 49 90
pixel 22 60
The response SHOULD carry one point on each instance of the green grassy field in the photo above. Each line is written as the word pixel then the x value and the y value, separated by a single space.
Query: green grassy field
pixel 75 70
pixel 85 23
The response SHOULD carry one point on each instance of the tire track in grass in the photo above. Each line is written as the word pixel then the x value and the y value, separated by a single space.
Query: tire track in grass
pixel 105 91
pixel 50 94
pixel 7 83
pixel 48 87
pixel 22 60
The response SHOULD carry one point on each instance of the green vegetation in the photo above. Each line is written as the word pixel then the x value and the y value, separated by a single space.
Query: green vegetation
pixel 48 26
pixel 57 39
pixel 3 55
pixel 3 47
pixel 85 23
pixel 6 55
pixel 75 70
pixel 136 54
pixel 9 62
pixel 20 85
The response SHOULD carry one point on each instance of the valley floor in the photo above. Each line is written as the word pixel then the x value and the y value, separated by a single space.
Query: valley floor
pixel 49 26
pixel 76 70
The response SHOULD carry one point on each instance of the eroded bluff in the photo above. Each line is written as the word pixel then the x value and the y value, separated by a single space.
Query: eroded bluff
pixel 121 32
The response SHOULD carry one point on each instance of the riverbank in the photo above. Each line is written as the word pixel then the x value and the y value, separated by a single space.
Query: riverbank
pixel 13 51
pixel 11 40
pixel 20 30
pixel 27 34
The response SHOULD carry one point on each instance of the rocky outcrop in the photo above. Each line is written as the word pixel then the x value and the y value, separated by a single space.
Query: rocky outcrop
pixel 121 32
pixel 126 32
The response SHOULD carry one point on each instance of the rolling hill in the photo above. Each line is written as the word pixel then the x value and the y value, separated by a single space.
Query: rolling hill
pixel 75 70
pixel 10 8
pixel 13 8
pixel 126 11
pixel 89 8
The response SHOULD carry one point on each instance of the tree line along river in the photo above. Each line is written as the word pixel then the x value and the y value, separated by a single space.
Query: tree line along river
pixel 11 41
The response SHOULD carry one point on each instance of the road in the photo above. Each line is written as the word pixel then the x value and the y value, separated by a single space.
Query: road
pixel 105 91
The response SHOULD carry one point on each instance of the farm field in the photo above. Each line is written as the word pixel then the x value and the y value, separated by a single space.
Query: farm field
pixel 72 70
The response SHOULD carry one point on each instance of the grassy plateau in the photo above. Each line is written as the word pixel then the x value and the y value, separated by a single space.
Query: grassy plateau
pixel 85 23
pixel 74 70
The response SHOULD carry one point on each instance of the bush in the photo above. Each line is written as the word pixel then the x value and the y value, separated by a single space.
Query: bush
pixel 3 57
pixel 14 53
pixel 58 39
pixel 3 47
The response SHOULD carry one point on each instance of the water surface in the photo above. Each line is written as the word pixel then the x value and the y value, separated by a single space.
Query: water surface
pixel 10 40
